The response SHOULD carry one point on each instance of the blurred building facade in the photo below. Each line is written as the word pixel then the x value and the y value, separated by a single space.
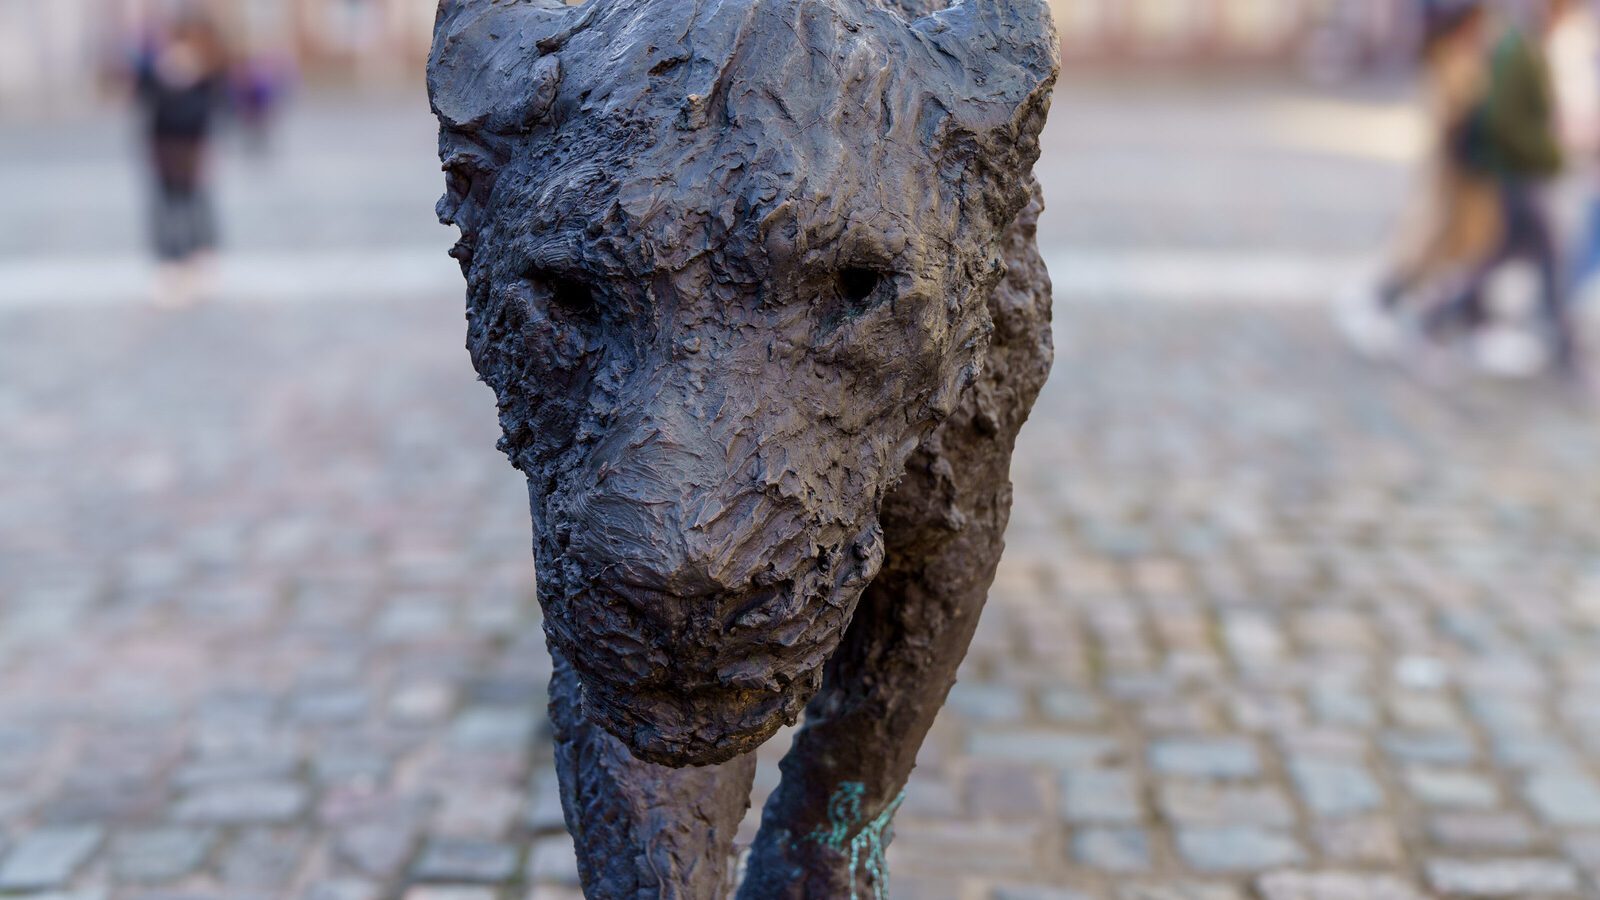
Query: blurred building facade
pixel 56 53
pixel 62 53
pixel 1320 33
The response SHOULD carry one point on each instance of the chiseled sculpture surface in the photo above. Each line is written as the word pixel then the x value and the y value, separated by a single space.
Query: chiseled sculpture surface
pixel 756 285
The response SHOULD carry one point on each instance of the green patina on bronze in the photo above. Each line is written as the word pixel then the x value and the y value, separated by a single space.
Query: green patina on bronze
pixel 867 847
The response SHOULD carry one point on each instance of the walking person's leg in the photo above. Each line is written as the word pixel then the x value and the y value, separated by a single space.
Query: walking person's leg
pixel 1540 247
pixel 166 223
pixel 166 207
pixel 192 228
pixel 1464 307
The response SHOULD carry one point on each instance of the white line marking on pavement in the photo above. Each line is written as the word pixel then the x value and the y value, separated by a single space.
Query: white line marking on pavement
pixel 361 274
pixel 374 274
pixel 1223 276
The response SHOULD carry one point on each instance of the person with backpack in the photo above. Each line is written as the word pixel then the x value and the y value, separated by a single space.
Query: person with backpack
pixel 1512 139
pixel 1452 221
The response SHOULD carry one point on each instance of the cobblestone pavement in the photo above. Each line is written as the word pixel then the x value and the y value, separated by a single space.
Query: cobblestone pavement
pixel 1274 624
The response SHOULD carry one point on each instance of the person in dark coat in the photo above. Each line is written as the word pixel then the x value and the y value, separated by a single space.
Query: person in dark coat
pixel 180 90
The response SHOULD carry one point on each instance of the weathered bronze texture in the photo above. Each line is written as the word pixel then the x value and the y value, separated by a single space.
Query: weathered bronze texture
pixel 757 287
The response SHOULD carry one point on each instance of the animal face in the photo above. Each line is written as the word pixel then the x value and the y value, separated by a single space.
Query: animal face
pixel 727 266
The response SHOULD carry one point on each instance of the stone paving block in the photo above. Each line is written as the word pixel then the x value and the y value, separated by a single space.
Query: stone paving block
pixel 1584 849
pixel 265 858
pixel 1424 712
pixel 1421 673
pixel 412 619
pixel 450 892
pixel 1179 890
pixel 1253 639
pixel 78 803
pixel 1237 848
pixel 965 848
pixel 992 704
pixel 1202 803
pixel 915 888
pixel 494 728
pixel 422 703
pixel 1533 750
pixel 465 860
pixel 159 854
pixel 342 889
pixel 1179 715
pixel 479 811
pixel 46 859
pixel 1044 747
pixel 1566 799
pixel 544 814
pixel 1505 714
pixel 329 704
pixel 1323 743
pixel 1205 757
pixel 378 849
pixel 1006 792
pixel 1452 788
pixel 1437 748
pixel 1482 831
pixel 1269 711
pixel 1141 686
pixel 1100 796
pixel 1070 706
pixel 553 861
pixel 1339 705
pixel 548 892
pixel 930 796
pixel 1511 877
pixel 1335 788
pixel 243 803
pixel 1335 886
pixel 1037 893
pixel 1112 849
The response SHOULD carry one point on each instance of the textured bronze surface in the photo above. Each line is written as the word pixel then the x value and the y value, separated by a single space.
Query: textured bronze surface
pixel 756 285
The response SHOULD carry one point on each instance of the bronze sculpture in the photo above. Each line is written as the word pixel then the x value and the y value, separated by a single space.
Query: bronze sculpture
pixel 756 285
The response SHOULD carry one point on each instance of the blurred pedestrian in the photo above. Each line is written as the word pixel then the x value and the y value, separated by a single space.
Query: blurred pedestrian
pixel 260 82
pixel 1574 52
pixel 1453 220
pixel 181 87
pixel 1512 137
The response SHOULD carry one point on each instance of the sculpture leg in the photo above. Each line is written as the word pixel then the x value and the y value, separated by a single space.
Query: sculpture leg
pixel 825 829
pixel 642 830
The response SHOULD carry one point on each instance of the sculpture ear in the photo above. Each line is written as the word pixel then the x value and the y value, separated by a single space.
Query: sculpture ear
pixel 488 71
pixel 1005 52
pixel 997 61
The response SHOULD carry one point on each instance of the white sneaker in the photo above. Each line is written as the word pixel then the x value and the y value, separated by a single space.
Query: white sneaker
pixel 1507 352
pixel 1369 328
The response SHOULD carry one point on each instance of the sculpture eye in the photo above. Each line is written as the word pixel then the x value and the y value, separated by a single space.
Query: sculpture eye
pixel 857 285
pixel 570 294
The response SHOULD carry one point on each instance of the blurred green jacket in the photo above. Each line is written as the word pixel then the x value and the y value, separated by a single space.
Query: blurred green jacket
pixel 1519 113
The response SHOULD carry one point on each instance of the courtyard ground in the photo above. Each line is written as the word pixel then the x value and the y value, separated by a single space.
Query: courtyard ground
pixel 1275 623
